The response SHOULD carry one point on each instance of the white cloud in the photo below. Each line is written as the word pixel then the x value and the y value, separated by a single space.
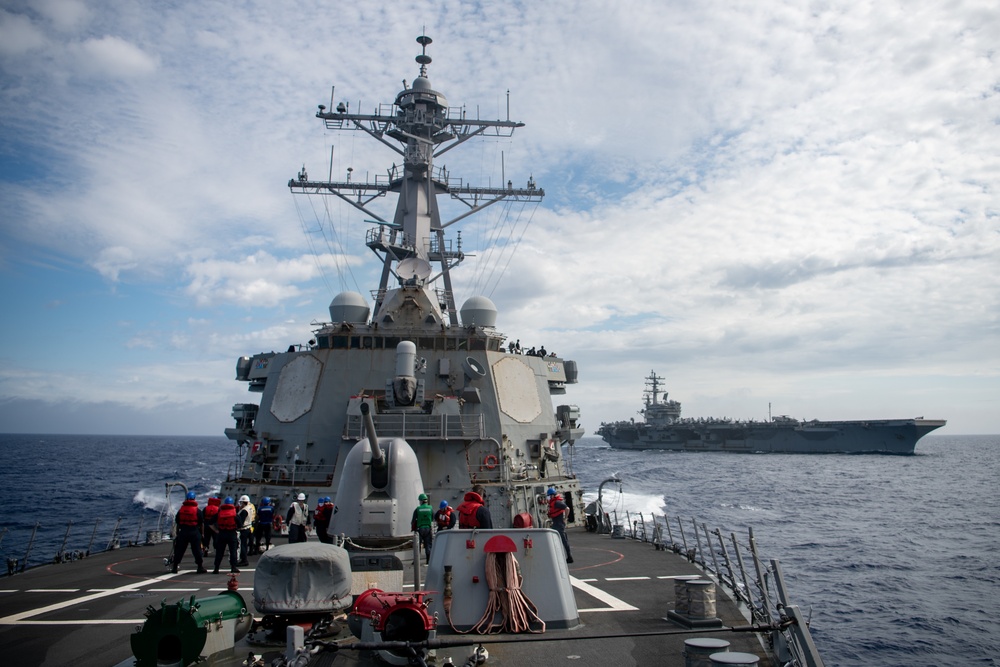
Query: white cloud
pixel 113 57
pixel 18 36
pixel 738 195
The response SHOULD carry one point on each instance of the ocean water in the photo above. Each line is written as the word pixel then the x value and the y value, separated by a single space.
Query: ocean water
pixel 896 558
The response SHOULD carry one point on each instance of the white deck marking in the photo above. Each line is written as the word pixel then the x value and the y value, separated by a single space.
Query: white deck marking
pixel 172 590
pixel 93 621
pixel 52 590
pixel 134 586
pixel 627 579
pixel 614 604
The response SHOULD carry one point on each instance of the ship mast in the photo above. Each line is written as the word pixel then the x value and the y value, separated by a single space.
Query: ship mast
pixel 653 384
pixel 425 127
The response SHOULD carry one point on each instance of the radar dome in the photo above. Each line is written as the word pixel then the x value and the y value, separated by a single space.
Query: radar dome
pixel 349 307
pixel 479 311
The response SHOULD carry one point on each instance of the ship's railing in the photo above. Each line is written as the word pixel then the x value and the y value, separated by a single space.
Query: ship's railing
pixel 419 426
pixel 762 589
pixel 77 544
pixel 282 474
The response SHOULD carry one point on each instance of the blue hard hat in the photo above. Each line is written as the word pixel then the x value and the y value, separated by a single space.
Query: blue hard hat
pixel 228 500
pixel 265 501
pixel 444 503
pixel 190 495
pixel 325 499
pixel 551 491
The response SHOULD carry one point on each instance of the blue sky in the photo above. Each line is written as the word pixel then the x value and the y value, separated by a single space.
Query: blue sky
pixel 782 203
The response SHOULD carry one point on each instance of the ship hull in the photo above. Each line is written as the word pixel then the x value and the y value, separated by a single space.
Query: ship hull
pixel 897 436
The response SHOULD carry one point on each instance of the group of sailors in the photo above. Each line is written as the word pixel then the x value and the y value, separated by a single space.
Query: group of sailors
pixel 241 528
pixel 514 347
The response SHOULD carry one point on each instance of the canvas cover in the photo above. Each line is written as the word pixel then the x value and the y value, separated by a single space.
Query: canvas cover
pixel 307 577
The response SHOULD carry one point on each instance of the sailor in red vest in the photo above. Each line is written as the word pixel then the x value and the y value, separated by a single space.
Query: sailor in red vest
pixel 226 522
pixel 472 513
pixel 445 517
pixel 189 520
pixel 210 530
pixel 321 519
pixel 557 515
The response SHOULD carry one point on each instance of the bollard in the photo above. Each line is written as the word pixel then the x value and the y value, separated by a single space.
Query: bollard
pixel 701 599
pixel 730 659
pixel 681 602
pixel 698 651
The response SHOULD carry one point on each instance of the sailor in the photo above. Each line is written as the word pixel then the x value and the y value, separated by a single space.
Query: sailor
pixel 226 521
pixel 445 517
pixel 321 519
pixel 265 521
pixel 189 519
pixel 472 513
pixel 211 530
pixel 557 515
pixel 245 518
pixel 423 523
pixel 297 520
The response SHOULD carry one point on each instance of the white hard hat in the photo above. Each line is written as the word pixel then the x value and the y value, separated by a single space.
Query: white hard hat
pixel 302 496
pixel 244 499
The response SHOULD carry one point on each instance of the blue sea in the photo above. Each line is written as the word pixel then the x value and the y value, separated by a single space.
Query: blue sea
pixel 896 558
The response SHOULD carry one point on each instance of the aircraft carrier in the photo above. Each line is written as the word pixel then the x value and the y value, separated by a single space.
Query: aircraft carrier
pixel 664 428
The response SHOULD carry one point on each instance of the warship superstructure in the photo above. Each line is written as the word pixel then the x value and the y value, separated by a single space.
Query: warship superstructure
pixel 664 428
pixel 440 381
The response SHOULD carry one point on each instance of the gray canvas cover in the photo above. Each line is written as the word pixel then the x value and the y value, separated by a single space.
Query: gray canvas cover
pixel 307 577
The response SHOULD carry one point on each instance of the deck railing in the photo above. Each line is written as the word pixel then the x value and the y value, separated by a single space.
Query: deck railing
pixel 764 594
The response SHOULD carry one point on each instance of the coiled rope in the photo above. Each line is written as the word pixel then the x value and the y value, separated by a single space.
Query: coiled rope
pixel 518 613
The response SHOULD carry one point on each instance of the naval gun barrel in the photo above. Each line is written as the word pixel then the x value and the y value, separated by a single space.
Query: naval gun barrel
pixel 378 458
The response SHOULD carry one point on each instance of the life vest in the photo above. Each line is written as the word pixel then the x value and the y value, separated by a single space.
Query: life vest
pixel 467 510
pixel 321 514
pixel 227 517
pixel 299 514
pixel 556 512
pixel 212 509
pixel 443 518
pixel 188 513
pixel 425 516
pixel 251 515
pixel 265 515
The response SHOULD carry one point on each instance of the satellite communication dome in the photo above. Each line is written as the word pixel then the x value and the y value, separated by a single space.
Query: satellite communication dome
pixel 349 307
pixel 479 311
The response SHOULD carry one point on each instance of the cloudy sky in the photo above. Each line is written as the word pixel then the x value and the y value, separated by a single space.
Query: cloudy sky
pixel 784 203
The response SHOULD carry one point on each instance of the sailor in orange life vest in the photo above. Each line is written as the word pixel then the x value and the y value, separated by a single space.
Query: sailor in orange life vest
pixel 189 520
pixel 472 513
pixel 209 532
pixel 445 517
pixel 557 515
pixel 226 522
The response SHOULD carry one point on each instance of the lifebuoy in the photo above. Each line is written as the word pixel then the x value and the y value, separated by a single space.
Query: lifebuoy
pixel 491 461
pixel 278 523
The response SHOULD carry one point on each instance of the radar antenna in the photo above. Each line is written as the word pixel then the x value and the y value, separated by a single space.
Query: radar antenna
pixel 423 58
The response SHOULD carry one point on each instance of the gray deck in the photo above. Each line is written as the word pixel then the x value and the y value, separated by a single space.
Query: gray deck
pixel 82 613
